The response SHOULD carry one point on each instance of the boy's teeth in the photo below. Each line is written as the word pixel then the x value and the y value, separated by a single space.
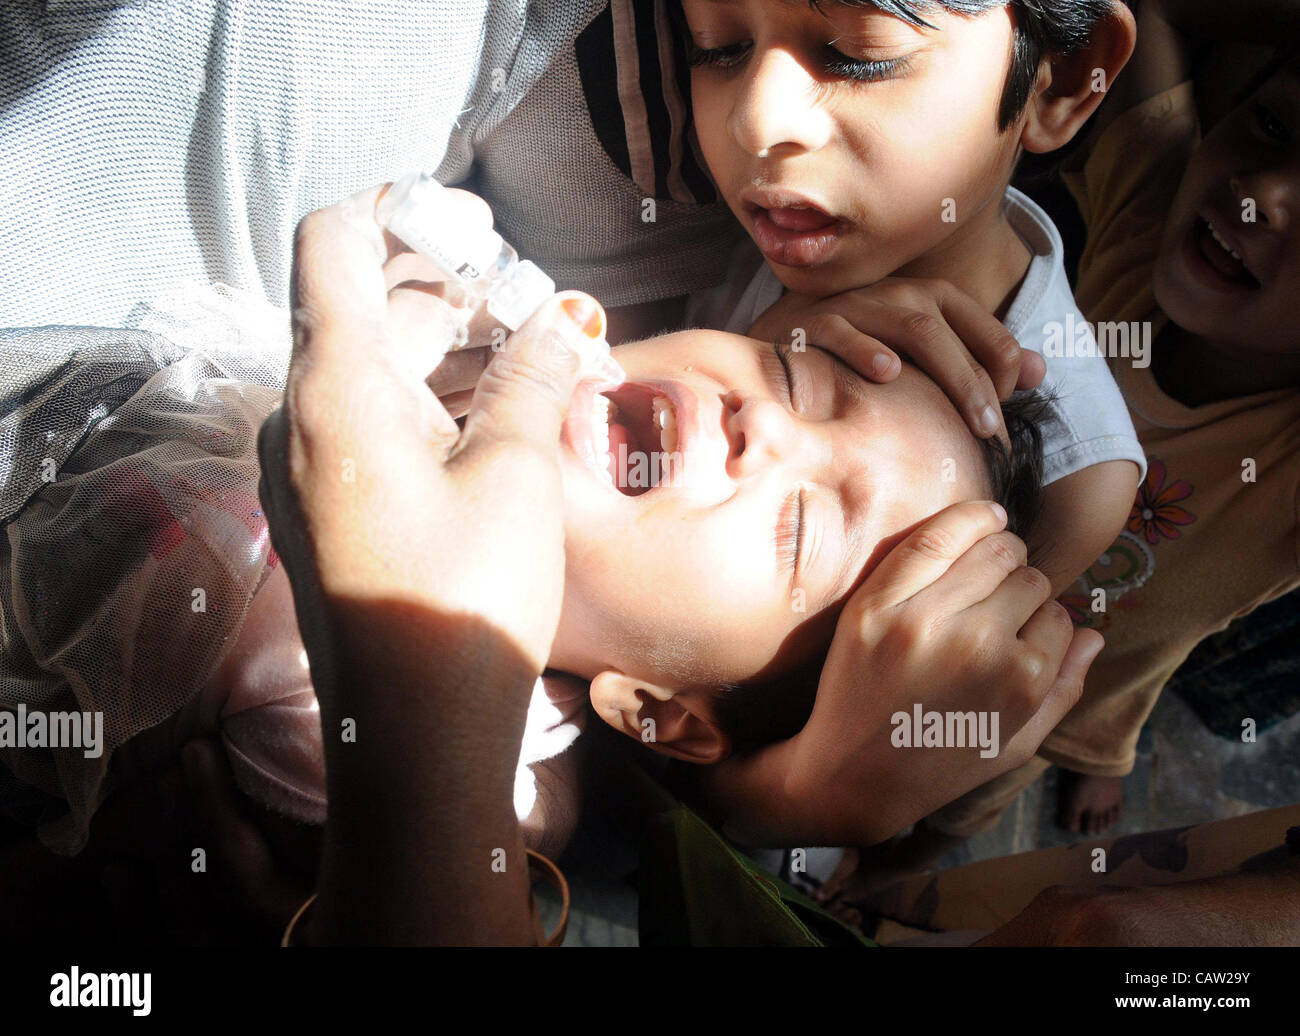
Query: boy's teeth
pixel 665 419
pixel 1222 243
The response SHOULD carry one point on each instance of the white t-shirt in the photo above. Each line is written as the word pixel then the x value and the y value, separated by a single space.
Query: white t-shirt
pixel 1088 422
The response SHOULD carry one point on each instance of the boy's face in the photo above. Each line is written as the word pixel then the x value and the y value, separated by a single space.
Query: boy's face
pixel 780 493
pixel 1243 185
pixel 889 130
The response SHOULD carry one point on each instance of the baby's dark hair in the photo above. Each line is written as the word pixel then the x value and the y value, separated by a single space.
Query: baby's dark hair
pixel 756 714
pixel 1041 27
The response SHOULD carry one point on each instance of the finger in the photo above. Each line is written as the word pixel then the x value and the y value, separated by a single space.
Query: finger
pixel 275 489
pixel 337 279
pixel 411 266
pixel 338 286
pixel 423 327
pixel 472 214
pixel 1033 369
pixel 869 356
pixel 1041 645
pixel 1049 631
pixel 850 915
pixel 350 383
pixel 986 338
pixel 978 573
pixel 525 389
pixel 1062 696
pixel 926 553
pixel 933 346
pixel 458 372
pixel 1016 601
pixel 457 404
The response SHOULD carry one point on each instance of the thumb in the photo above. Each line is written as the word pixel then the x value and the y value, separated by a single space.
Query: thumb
pixel 525 389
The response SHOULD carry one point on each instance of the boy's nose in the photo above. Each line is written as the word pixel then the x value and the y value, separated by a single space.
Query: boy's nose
pixel 761 432
pixel 776 107
pixel 1274 192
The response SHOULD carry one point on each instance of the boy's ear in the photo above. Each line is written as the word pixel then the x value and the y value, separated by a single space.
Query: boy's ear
pixel 672 722
pixel 1072 86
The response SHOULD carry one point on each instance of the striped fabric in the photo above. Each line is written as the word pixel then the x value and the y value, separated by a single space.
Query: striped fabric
pixel 644 124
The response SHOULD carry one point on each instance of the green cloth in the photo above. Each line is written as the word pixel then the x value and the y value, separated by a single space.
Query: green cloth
pixel 696 890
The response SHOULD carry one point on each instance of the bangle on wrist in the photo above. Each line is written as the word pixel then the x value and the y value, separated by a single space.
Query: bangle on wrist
pixel 538 864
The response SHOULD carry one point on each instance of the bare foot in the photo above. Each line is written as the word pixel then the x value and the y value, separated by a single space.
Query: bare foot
pixel 1088 805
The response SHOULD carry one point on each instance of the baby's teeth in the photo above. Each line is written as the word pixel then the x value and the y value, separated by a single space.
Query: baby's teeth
pixel 666 419
pixel 600 409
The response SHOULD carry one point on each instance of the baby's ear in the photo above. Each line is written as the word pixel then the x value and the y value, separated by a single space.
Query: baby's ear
pixel 674 722
pixel 1077 83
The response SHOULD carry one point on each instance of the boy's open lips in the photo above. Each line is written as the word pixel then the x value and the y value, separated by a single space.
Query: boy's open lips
pixel 1214 259
pixel 627 436
pixel 792 230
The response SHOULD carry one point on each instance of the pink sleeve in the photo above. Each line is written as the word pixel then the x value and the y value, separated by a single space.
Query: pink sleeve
pixel 266 710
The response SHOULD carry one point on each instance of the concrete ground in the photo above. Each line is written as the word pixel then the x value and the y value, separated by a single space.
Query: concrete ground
pixel 1184 775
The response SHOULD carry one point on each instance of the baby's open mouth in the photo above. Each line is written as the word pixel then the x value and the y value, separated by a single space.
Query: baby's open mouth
pixel 634 429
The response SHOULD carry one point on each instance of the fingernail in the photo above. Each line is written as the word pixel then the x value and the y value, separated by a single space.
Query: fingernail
pixel 988 420
pixel 606 372
pixel 1000 513
pixel 585 334
pixel 586 314
pixel 881 364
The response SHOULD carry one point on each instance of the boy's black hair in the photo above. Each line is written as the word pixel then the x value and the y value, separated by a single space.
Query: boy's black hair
pixel 1284 54
pixel 756 714
pixel 1041 27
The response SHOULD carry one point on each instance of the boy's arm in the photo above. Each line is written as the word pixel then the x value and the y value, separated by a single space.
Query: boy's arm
pixel 556 778
pixel 550 825
pixel 1255 908
pixel 1081 515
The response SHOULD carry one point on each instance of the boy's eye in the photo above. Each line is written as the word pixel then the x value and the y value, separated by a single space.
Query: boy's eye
pixel 1270 125
pixel 842 66
pixel 720 57
pixel 834 62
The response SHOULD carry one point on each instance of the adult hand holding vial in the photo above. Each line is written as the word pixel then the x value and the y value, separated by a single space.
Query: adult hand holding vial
pixel 457 257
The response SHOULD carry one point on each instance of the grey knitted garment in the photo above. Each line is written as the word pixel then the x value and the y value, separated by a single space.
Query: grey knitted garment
pixel 149 141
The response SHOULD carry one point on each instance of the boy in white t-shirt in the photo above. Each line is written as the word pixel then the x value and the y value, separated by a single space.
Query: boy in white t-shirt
pixel 859 142
pixel 862 142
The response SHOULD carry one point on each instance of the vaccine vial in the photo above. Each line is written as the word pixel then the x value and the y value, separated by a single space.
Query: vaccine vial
pixel 430 221
pixel 418 209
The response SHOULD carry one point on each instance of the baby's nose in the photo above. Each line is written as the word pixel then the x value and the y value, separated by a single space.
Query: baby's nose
pixel 760 433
